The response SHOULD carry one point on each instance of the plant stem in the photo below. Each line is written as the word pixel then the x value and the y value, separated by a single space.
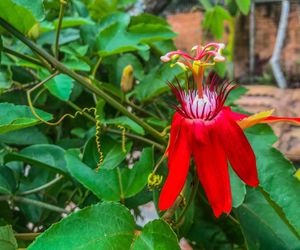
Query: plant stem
pixel 41 188
pixel 171 211
pixel 26 236
pixel 84 82
pixel 94 72
pixel 34 203
pixel 60 18
pixel 22 56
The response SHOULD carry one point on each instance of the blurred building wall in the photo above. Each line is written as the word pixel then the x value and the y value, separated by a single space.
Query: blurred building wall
pixel 188 27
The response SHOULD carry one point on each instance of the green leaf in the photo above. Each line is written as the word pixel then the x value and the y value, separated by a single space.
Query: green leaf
pixel 244 6
pixel 22 14
pixel 7 180
pixel 14 117
pixel 7 238
pixel 1 48
pixel 262 226
pixel 73 22
pixel 235 94
pixel 5 77
pixel 26 136
pixel 111 149
pixel 155 83
pixel 102 226
pixel 129 38
pixel 206 4
pixel 238 189
pixel 127 123
pixel 156 235
pixel 113 184
pixel 214 20
pixel 276 173
pixel 41 155
pixel 100 8
pixel 76 64
pixel 61 87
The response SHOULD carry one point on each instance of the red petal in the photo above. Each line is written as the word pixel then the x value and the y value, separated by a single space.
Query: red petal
pixel 213 174
pixel 178 162
pixel 234 115
pixel 282 119
pixel 200 132
pixel 238 150
pixel 175 126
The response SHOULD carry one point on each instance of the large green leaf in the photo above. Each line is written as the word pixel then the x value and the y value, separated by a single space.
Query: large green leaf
pixel 26 136
pixel 102 226
pixel 276 173
pixel 156 235
pixel 13 117
pixel 7 238
pixel 262 226
pixel 41 155
pixel 113 184
pixel 116 37
pixel 238 189
pixel 22 14
pixel 155 82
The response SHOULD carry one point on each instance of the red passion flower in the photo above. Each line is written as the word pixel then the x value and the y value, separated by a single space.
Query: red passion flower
pixel 205 129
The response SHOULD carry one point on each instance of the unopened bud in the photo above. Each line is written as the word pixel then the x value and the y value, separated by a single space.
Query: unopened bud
pixel 127 79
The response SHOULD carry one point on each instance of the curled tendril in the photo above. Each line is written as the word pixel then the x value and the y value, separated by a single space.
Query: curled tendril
pixel 72 116
pixel 98 142
pixel 123 138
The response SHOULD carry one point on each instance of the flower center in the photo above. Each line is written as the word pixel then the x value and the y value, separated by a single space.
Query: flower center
pixel 200 108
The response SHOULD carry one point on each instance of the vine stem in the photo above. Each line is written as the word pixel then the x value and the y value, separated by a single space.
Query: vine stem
pixel 81 80
pixel 26 236
pixel 60 19
pixel 43 187
pixel 22 56
pixel 34 203
pixel 171 211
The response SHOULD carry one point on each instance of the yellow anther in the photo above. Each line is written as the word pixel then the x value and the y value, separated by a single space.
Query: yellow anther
pixel 154 180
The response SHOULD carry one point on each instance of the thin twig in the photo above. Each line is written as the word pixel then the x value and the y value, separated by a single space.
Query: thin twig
pixel 60 19
pixel 22 56
pixel 94 72
pixel 26 236
pixel 43 187
pixel 33 202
